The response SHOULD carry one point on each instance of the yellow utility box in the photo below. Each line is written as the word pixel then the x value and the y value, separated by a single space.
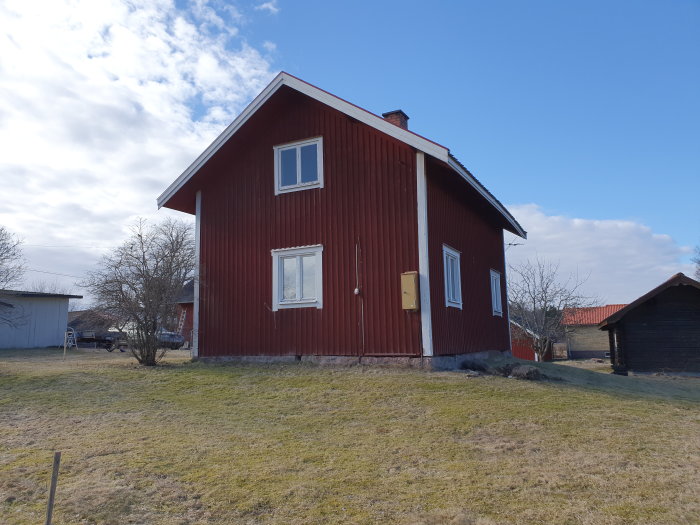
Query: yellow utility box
pixel 409 291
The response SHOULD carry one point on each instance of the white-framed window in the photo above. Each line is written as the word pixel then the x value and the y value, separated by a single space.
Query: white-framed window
pixel 299 165
pixel 453 281
pixel 496 302
pixel 297 277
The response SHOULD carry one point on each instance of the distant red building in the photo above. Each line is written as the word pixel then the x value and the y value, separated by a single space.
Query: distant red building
pixel 326 230
pixel 523 343
pixel 185 313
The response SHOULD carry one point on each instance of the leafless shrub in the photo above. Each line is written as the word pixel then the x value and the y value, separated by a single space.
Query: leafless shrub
pixel 538 297
pixel 140 281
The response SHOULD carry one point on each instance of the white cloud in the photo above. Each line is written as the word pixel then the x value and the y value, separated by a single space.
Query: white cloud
pixel 622 259
pixel 270 6
pixel 270 47
pixel 102 104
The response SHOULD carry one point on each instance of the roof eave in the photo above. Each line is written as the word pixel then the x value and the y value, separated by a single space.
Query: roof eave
pixel 457 166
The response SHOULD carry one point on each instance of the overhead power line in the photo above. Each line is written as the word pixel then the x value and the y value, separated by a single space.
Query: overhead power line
pixel 54 273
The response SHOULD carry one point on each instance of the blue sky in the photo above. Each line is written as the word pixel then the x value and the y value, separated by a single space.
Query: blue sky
pixel 589 109
pixel 582 117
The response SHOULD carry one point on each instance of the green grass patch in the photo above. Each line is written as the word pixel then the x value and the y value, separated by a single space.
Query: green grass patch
pixel 195 443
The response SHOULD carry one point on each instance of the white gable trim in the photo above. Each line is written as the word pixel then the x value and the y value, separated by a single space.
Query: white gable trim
pixel 284 79
pixel 486 195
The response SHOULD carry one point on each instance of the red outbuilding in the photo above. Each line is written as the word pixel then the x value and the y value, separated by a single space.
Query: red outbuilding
pixel 326 230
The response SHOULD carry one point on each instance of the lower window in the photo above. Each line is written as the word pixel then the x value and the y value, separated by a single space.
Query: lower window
pixel 297 277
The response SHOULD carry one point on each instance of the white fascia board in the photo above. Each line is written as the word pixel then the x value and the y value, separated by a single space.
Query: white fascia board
pixel 364 116
pixel 284 79
pixel 478 187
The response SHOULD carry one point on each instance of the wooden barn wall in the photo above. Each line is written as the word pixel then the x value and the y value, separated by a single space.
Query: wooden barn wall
pixel 366 211
pixel 664 332
pixel 456 217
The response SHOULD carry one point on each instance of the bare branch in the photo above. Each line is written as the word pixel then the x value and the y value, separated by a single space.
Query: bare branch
pixel 139 283
pixel 538 298
pixel 11 259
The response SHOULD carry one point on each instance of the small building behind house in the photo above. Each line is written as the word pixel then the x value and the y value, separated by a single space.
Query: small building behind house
pixel 658 332
pixel 583 338
pixel 523 343
pixel 33 319
pixel 185 313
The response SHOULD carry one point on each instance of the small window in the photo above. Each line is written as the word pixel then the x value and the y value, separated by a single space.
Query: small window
pixel 453 281
pixel 496 303
pixel 299 166
pixel 296 277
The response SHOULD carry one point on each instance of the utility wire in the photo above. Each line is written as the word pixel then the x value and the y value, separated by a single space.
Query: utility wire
pixel 54 273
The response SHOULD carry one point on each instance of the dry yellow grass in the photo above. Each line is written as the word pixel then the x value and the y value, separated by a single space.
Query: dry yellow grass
pixel 190 443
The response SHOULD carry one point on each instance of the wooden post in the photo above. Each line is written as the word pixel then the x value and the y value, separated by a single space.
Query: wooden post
pixel 52 489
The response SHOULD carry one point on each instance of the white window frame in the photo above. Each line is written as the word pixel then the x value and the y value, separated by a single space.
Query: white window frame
pixel 496 293
pixel 297 146
pixel 452 300
pixel 278 282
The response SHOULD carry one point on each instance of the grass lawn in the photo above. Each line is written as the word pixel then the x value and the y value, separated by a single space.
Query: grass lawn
pixel 192 443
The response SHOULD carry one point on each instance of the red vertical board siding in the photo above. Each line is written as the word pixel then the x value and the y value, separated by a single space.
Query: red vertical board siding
pixel 368 200
pixel 458 217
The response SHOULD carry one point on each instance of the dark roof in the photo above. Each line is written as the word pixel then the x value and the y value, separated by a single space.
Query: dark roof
pixel 589 315
pixel 518 229
pixel 679 279
pixel 187 295
pixel 20 293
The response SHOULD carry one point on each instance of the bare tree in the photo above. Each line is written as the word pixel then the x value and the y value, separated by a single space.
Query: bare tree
pixel 11 271
pixel 43 286
pixel 696 260
pixel 538 297
pixel 140 281
pixel 11 259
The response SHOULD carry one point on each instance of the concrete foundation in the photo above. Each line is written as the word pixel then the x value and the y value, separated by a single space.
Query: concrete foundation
pixel 435 363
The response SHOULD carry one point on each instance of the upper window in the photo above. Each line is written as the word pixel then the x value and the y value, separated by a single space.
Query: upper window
pixel 299 166
pixel 496 303
pixel 453 282
pixel 297 277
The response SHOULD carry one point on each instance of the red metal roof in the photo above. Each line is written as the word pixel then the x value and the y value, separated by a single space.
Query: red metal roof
pixel 593 315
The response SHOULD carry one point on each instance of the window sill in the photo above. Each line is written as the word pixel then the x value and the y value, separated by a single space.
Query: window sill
pixel 300 304
pixel 300 187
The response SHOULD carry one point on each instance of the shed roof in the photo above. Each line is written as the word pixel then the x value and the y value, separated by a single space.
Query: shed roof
pixel 21 293
pixel 680 279
pixel 413 139
pixel 589 315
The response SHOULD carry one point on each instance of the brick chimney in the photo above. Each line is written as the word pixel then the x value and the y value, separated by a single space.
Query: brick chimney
pixel 398 118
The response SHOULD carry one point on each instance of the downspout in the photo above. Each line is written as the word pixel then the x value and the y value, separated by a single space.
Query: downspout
pixel 197 242
pixel 505 283
pixel 423 259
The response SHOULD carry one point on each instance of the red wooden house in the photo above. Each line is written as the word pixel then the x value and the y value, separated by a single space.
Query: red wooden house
pixel 326 230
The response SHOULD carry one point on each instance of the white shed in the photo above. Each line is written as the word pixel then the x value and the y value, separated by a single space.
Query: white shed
pixel 36 319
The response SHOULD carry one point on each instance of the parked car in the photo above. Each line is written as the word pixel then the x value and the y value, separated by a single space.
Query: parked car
pixel 171 340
